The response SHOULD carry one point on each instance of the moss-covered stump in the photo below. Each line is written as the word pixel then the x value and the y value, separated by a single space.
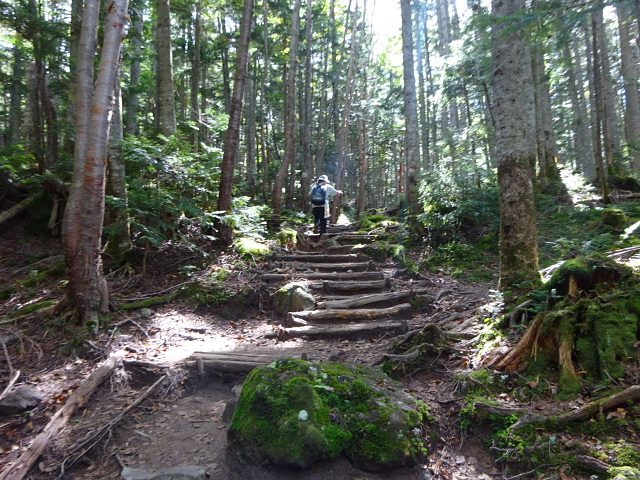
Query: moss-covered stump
pixel 595 326
pixel 296 413
pixel 293 297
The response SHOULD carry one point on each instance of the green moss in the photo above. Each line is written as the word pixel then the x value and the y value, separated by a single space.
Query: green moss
pixel 296 413
pixel 249 248
pixel 287 238
pixel 614 218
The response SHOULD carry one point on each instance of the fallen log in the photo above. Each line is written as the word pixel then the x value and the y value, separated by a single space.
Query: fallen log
pixel 341 331
pixel 16 209
pixel 356 266
pixel 376 285
pixel 338 316
pixel 281 277
pixel 81 448
pixel 18 469
pixel 366 300
pixel 360 238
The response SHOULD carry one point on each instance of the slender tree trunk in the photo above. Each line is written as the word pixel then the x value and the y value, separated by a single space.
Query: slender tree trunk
pixel 602 131
pixel 233 131
pixel 511 72
pixel 342 141
pixel 135 71
pixel 250 136
pixel 307 116
pixel 15 89
pixel 412 136
pixel 547 144
pixel 611 135
pixel 580 118
pixel 118 216
pixel 290 137
pixel 629 66
pixel 195 79
pixel 83 223
pixel 166 86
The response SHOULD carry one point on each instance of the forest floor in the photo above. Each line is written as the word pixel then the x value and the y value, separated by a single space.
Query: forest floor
pixel 183 422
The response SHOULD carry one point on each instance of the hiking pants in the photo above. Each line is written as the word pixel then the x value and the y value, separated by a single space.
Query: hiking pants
pixel 319 219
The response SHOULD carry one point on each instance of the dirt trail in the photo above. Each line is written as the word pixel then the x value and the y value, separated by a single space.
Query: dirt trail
pixel 184 422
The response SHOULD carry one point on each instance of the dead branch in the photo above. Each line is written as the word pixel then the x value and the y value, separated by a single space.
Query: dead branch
pixel 597 406
pixel 499 410
pixel 18 469
pixel 16 209
pixel 84 446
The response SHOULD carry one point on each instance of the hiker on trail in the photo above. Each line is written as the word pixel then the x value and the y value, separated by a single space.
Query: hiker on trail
pixel 320 193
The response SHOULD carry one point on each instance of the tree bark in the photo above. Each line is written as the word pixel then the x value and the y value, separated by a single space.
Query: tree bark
pixel 411 135
pixel 511 74
pixel 83 223
pixel 629 67
pixel 166 97
pixel 235 117
pixel 135 72
pixel 290 137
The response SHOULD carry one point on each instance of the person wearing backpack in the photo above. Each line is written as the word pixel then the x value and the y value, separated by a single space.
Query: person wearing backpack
pixel 320 194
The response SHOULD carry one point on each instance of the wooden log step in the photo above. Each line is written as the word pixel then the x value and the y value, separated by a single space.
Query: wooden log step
pixel 343 315
pixel 356 287
pixel 234 362
pixel 361 301
pixel 360 266
pixel 321 258
pixel 280 277
pixel 341 331
pixel 355 238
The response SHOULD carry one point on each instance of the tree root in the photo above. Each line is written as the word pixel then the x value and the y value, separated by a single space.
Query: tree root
pixel 597 406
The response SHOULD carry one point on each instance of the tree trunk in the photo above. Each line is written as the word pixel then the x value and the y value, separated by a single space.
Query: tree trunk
pixel 118 216
pixel 133 96
pixel 629 63
pixel 342 140
pixel 307 115
pixel 601 132
pixel 580 118
pixel 511 72
pixel 166 98
pixel 548 155
pixel 15 89
pixel 235 118
pixel 290 137
pixel 411 136
pixel 195 79
pixel 83 221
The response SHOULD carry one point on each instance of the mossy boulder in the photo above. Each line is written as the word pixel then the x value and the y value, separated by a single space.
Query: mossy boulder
pixel 293 297
pixel 295 413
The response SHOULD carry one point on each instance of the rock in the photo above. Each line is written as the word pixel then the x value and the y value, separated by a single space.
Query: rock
pixel 296 413
pixel 20 399
pixel 293 297
pixel 175 473
pixel 624 473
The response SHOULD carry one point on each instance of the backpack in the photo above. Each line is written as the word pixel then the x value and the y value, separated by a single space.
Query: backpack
pixel 318 195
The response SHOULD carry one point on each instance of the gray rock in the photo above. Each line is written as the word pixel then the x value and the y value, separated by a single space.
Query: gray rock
pixel 175 473
pixel 293 297
pixel 20 399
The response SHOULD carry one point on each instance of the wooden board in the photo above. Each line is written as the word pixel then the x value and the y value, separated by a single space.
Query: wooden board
pixel 345 287
pixel 340 331
pixel 321 258
pixel 280 277
pixel 345 315
pixel 356 266
pixel 360 301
